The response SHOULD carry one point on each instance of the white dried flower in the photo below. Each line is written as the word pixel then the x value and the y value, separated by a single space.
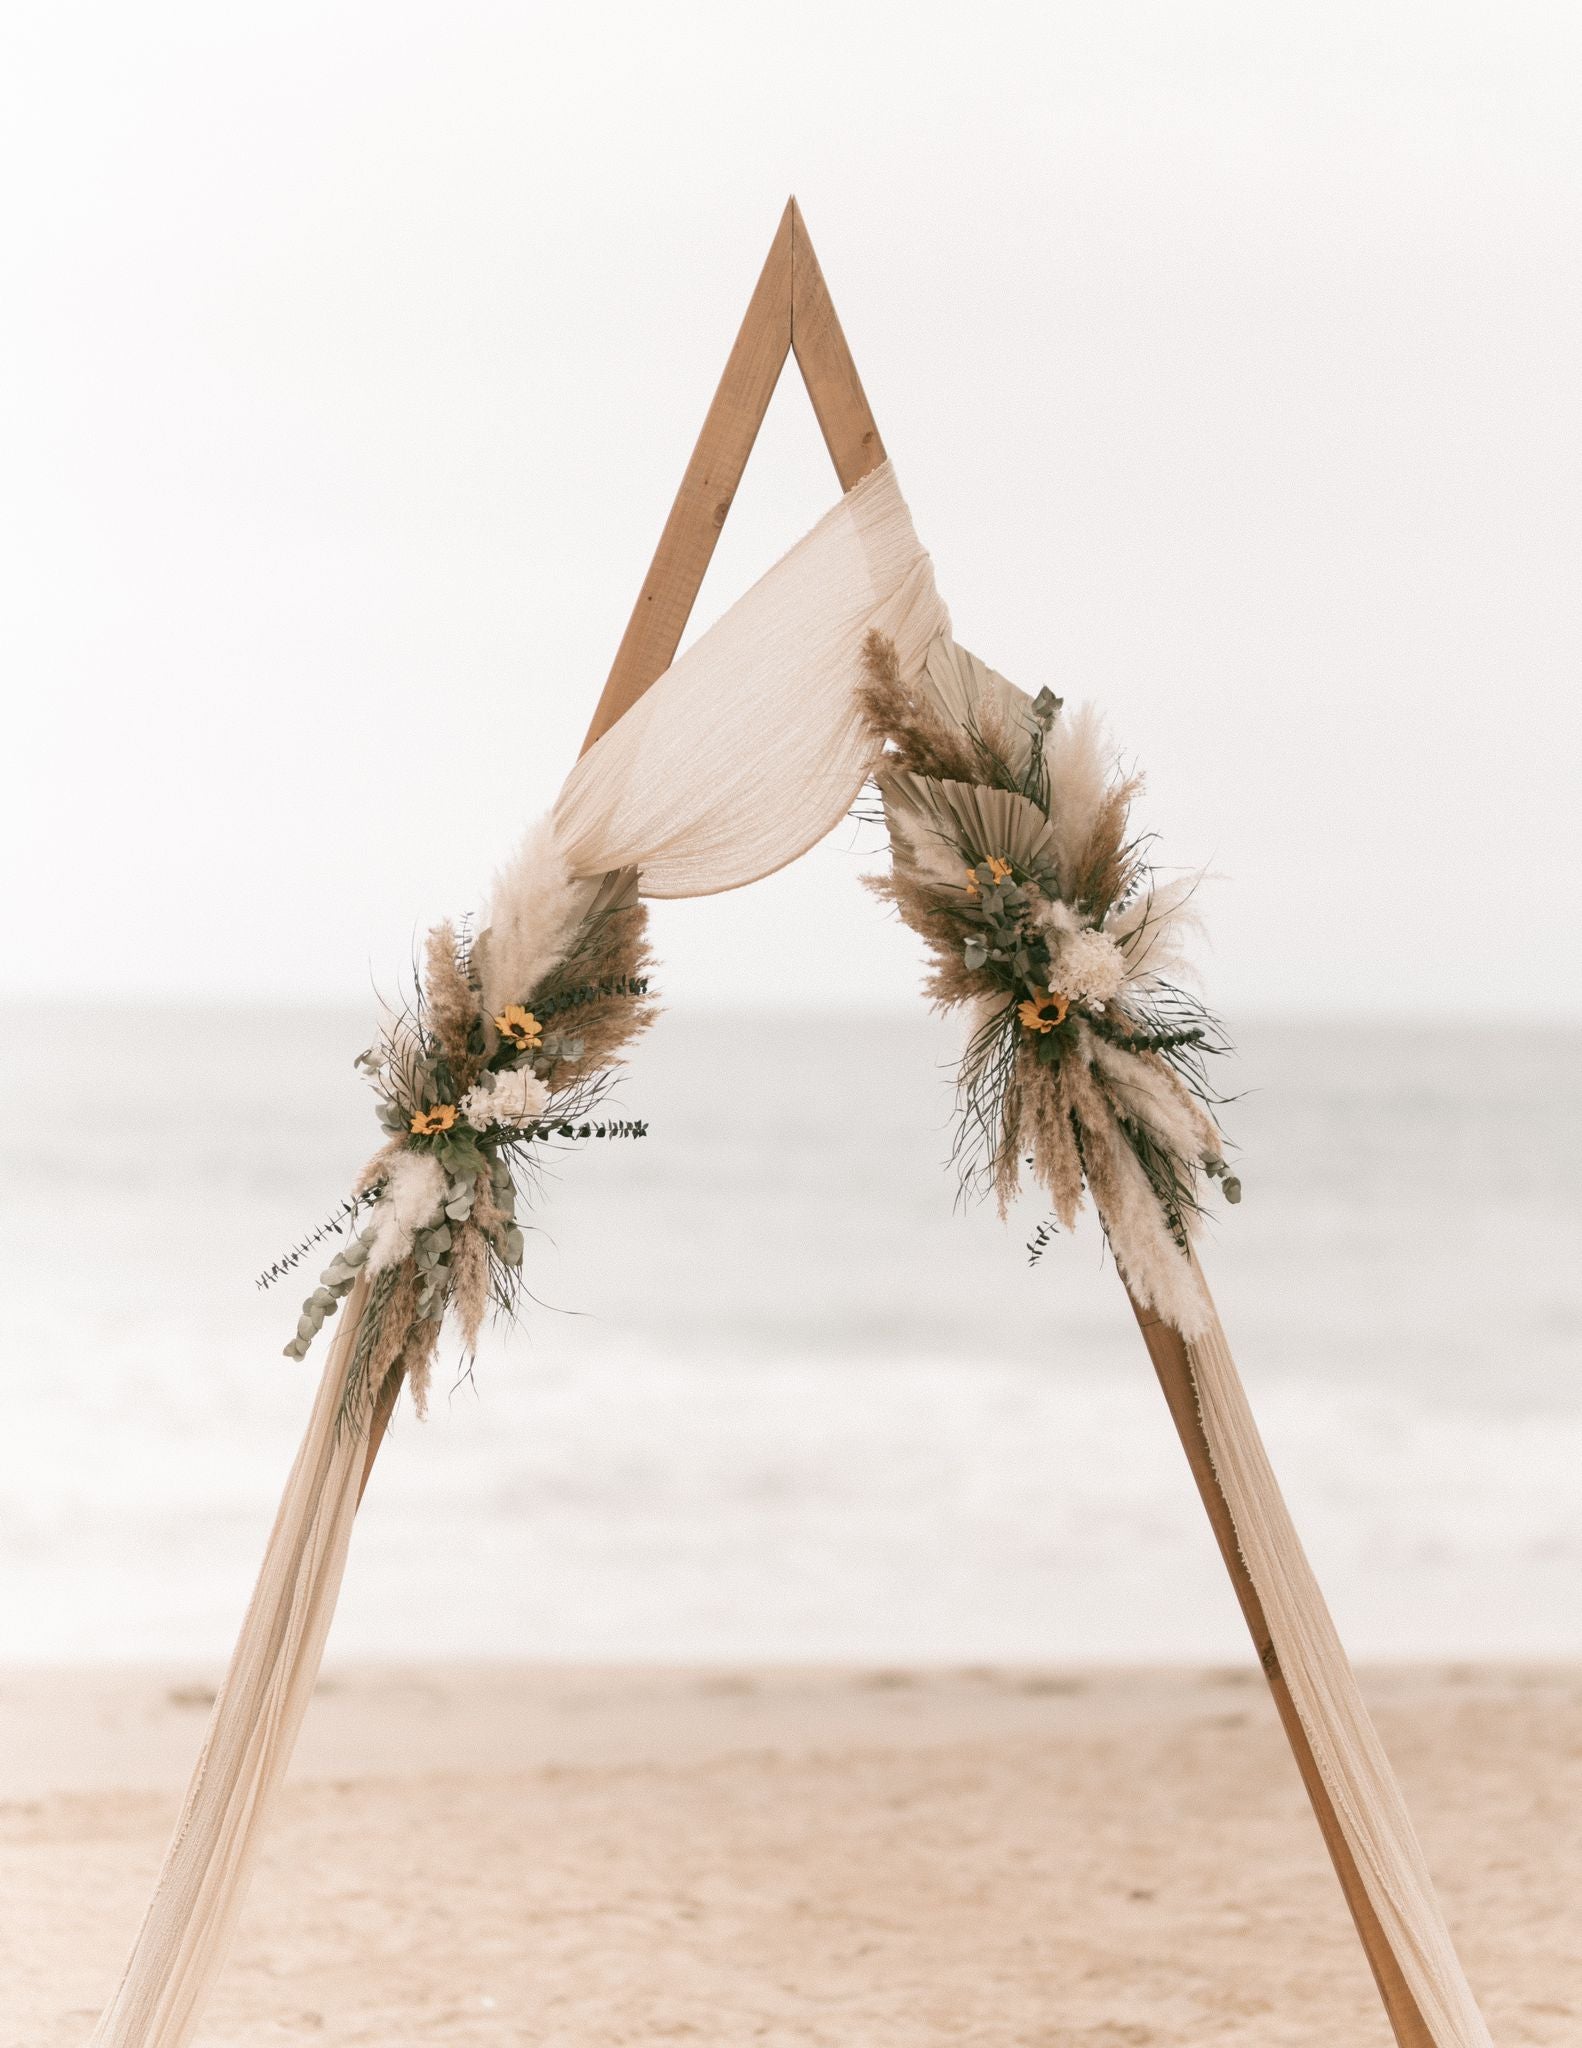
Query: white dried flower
pixel 412 1198
pixel 1056 918
pixel 1089 967
pixel 511 1098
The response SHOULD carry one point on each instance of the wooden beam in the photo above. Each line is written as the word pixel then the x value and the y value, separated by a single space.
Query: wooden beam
pixel 839 401
pixel 1173 1364
pixel 686 546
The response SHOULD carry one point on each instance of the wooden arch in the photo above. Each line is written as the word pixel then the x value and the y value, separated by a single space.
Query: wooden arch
pixel 790 311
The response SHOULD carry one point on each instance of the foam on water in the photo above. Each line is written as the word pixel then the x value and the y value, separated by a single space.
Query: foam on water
pixel 803 1407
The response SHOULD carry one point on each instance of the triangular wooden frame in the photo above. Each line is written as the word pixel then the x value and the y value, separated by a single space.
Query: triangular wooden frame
pixel 791 311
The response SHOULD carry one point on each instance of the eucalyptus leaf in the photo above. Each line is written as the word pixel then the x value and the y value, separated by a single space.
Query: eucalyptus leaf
pixel 1047 707
pixel 460 1154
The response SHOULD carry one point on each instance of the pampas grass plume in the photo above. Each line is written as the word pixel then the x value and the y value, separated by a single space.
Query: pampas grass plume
pixel 534 909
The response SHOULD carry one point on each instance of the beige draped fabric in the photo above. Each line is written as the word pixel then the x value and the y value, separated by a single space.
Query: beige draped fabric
pixel 737 760
pixel 1345 1744
pixel 749 748
pixel 254 1725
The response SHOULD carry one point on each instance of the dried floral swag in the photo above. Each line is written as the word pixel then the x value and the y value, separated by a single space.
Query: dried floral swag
pixel 1012 857
pixel 507 1047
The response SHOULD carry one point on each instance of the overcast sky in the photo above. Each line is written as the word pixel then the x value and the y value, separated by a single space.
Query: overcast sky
pixel 1229 357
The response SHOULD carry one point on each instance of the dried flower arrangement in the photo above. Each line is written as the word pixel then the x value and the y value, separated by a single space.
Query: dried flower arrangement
pixel 1011 856
pixel 509 1043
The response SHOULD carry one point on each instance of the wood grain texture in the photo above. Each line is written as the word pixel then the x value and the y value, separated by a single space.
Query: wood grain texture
pixel 686 546
pixel 1173 1365
pixel 839 401
pixel 790 309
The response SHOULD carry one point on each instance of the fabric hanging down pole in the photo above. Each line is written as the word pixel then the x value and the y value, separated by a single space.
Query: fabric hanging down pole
pixel 667 798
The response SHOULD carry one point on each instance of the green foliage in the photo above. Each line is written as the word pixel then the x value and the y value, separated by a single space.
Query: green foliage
pixel 545 1007
pixel 335 1283
pixel 1042 1238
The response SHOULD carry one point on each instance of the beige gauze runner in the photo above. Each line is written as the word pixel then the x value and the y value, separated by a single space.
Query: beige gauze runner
pixel 1346 1746
pixel 737 760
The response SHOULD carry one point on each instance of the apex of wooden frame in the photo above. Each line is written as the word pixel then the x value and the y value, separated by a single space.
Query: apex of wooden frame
pixel 790 311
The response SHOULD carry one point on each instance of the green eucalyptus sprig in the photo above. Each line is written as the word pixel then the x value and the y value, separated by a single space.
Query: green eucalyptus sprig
pixel 335 1283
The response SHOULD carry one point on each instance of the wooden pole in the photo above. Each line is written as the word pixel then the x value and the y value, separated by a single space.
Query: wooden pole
pixel 791 309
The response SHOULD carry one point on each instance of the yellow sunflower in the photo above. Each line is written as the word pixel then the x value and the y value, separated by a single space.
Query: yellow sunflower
pixel 518 1026
pixel 428 1123
pixel 1043 1012
pixel 999 871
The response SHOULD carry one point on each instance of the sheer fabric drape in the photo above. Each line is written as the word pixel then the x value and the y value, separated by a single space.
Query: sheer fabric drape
pixel 254 1724
pixel 750 746
pixel 1346 1747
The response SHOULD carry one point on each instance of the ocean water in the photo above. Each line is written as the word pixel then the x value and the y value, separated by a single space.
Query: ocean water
pixel 780 1397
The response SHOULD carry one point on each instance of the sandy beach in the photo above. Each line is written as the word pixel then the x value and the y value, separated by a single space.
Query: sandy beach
pixel 486 1855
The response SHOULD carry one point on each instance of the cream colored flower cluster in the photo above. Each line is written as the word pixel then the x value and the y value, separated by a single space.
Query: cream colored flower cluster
pixel 511 1099
pixel 1088 967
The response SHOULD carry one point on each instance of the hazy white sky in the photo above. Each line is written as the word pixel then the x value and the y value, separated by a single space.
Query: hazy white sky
pixel 1229 356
